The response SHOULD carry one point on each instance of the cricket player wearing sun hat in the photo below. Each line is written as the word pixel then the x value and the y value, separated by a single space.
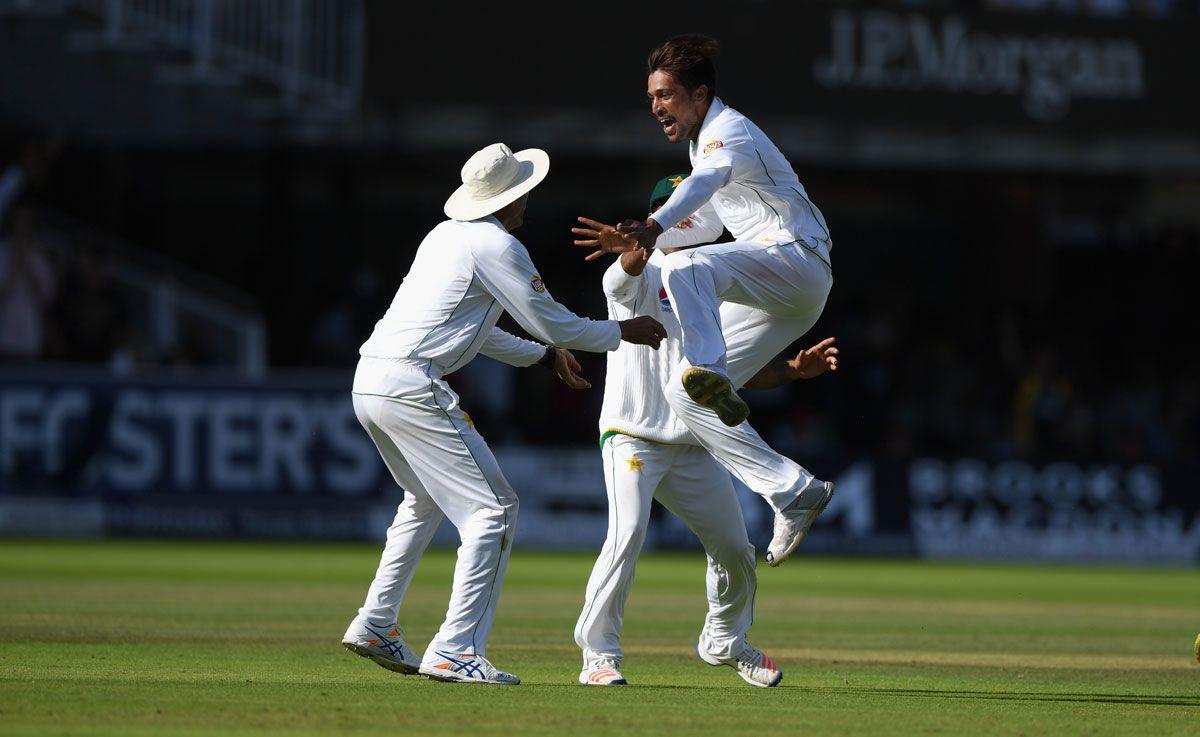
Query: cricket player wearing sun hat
pixel 466 272
pixel 738 303
pixel 649 454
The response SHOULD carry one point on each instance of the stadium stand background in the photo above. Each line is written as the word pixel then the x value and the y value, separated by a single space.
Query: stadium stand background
pixel 1012 188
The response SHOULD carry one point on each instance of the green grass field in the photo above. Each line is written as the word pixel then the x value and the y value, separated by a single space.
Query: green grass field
pixel 174 638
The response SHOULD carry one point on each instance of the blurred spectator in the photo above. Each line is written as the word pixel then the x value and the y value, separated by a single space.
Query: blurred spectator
pixel 27 288
pixel 89 318
pixel 29 171
pixel 342 326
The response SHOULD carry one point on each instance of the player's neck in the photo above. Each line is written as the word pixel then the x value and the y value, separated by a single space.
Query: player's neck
pixel 695 137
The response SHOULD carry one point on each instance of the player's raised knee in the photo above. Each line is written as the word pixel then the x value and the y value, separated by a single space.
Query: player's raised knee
pixel 673 390
pixel 674 265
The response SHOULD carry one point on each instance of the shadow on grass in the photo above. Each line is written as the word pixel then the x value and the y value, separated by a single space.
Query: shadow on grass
pixel 1185 700
pixel 1102 698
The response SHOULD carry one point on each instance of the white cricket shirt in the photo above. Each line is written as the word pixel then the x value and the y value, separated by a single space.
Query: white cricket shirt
pixel 463 276
pixel 634 403
pixel 759 197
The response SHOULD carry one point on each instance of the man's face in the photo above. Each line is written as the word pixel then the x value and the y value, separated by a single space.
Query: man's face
pixel 677 111
pixel 517 219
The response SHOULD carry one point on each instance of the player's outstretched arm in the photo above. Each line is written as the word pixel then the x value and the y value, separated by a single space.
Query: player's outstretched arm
pixel 807 364
pixel 692 194
pixel 513 280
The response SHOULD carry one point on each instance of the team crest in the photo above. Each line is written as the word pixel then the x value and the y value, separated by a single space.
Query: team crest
pixel 538 285
pixel 664 300
pixel 713 146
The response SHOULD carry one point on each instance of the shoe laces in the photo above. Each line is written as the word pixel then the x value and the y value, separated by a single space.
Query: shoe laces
pixel 750 659
pixel 610 663
pixel 783 521
pixel 386 628
pixel 489 670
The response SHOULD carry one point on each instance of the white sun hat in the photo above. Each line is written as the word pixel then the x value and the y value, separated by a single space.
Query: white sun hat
pixel 494 177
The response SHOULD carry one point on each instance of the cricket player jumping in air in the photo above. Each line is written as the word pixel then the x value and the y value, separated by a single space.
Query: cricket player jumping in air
pixel 649 454
pixel 739 304
pixel 467 271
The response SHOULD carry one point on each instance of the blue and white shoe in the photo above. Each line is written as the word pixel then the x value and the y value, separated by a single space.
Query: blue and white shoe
pixel 442 665
pixel 384 645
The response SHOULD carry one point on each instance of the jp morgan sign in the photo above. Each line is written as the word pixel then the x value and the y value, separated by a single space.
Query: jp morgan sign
pixel 910 52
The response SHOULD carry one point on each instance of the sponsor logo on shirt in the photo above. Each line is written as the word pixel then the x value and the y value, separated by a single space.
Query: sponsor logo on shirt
pixel 713 146
pixel 664 301
pixel 538 285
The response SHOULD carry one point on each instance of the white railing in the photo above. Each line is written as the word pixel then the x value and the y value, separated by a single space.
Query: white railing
pixel 170 297
pixel 308 48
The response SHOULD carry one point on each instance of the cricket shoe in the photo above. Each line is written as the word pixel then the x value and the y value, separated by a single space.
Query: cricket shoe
pixel 753 665
pixel 713 390
pixel 602 672
pixel 464 668
pixel 791 525
pixel 384 645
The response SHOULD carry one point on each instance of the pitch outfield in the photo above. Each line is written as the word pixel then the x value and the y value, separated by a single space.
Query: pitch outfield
pixel 128 638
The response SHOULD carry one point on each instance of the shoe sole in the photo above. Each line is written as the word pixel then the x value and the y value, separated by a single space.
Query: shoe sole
pixel 741 675
pixel 441 677
pixel 618 682
pixel 712 390
pixel 809 519
pixel 392 665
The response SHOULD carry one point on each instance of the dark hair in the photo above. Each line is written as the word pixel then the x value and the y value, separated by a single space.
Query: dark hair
pixel 689 59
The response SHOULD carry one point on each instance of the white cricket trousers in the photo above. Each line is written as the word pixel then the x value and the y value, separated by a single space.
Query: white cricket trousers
pixel 740 304
pixel 445 467
pixel 688 482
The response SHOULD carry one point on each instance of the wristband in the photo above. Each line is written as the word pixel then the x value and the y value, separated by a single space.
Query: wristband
pixel 548 359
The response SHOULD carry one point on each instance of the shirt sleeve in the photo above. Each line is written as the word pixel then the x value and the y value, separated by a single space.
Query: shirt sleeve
pixel 692 194
pixel 512 279
pixel 719 150
pixel 621 287
pixel 706 228
pixel 508 348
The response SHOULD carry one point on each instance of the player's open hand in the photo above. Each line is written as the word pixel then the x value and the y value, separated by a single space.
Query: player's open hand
pixel 644 232
pixel 567 368
pixel 643 330
pixel 604 238
pixel 815 361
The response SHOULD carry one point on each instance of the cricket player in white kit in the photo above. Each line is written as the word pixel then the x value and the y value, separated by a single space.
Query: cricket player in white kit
pixel 739 304
pixel 649 454
pixel 466 272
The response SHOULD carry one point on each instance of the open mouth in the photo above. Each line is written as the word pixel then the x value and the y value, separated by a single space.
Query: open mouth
pixel 669 125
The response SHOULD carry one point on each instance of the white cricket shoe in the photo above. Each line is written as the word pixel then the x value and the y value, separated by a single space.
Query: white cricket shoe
pixel 441 665
pixel 753 665
pixel 602 672
pixel 791 525
pixel 384 645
